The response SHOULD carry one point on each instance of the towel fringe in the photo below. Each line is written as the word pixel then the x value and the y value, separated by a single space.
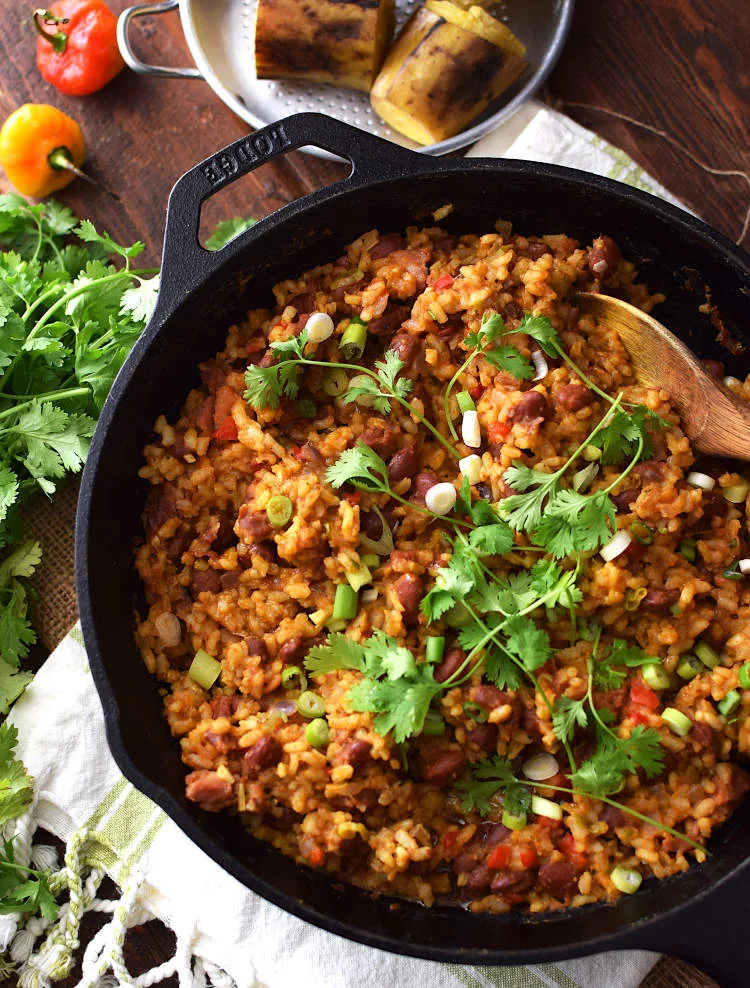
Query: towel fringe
pixel 40 965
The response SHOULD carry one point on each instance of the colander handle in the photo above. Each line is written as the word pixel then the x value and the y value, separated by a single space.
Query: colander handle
pixel 131 59
pixel 186 263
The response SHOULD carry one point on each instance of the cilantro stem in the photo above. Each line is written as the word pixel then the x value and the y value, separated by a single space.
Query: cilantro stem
pixel 50 396
pixel 586 380
pixel 27 871
pixel 420 509
pixel 451 385
pixel 629 467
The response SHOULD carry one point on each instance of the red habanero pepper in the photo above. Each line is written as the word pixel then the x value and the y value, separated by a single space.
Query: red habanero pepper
pixel 444 281
pixel 80 55
pixel 227 430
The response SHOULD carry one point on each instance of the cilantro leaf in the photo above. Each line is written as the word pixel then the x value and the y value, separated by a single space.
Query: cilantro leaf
pixel 15 784
pixel 491 328
pixel 140 300
pixel 227 230
pixel 339 653
pixel 24 890
pixel 500 669
pixel 567 714
pixel 486 779
pixel 574 522
pixel 540 328
pixel 401 704
pixel 523 511
pixel 496 539
pixel 509 359
pixel 527 642
pixel 361 466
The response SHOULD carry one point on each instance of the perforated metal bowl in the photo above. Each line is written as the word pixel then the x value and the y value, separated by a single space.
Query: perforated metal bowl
pixel 220 36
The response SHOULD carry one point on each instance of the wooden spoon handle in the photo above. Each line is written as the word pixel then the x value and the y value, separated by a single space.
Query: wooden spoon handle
pixel 721 420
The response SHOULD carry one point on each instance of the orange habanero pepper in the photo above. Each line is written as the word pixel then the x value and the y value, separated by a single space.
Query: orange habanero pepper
pixel 41 149
pixel 82 55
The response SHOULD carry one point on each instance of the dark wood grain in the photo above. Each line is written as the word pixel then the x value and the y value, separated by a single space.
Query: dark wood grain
pixel 678 65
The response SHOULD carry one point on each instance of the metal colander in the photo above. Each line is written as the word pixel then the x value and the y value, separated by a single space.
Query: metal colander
pixel 220 36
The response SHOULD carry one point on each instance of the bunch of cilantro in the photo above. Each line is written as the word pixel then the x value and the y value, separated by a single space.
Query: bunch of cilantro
pixel 72 305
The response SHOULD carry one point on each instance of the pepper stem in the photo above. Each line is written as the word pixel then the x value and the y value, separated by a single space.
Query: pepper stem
pixel 58 40
pixel 60 159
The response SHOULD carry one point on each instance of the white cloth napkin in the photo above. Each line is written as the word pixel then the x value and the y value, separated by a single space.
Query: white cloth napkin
pixel 224 932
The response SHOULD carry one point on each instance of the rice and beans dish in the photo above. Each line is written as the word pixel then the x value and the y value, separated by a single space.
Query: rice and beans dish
pixel 439 598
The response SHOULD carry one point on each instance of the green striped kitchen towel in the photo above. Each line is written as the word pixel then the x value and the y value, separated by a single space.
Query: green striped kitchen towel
pixel 226 935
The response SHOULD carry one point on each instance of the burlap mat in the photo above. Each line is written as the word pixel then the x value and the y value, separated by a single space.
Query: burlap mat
pixel 54 612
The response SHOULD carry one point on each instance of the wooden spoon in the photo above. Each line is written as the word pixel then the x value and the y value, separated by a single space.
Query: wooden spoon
pixel 715 420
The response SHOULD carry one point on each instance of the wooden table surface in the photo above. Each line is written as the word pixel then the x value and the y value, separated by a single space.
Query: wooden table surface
pixel 680 66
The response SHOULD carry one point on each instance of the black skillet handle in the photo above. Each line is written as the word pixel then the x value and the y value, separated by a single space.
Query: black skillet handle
pixel 186 264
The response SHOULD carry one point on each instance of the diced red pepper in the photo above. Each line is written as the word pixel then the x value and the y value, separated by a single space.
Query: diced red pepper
pixel 449 839
pixel 354 498
pixel 637 716
pixel 444 281
pixel 498 432
pixel 316 857
pixel 477 391
pixel 528 857
pixel 500 857
pixel 227 430
pixel 548 822
pixel 568 846
pixel 513 898
pixel 296 450
pixel 255 345
pixel 640 693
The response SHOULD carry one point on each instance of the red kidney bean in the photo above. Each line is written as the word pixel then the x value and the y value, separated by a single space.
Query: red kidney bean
pixel 658 601
pixel 445 243
pixel 713 504
pixel 650 471
pixel 453 324
pixel 205 581
pixel 293 650
pixel 444 766
pixel 704 736
pixel 494 833
pixel 422 483
pixel 484 491
pixel 465 861
pixel 212 375
pixel 309 454
pixel 559 878
pixel 409 589
pixel 206 787
pixel 176 546
pixel 532 405
pixel 625 499
pixel 489 696
pixel 452 661
pixel 512 311
pixel 604 258
pixel 507 880
pixel 381 437
pixel 160 507
pixel 408 348
pixel 370 525
pixel 354 752
pixel 304 303
pixel 388 323
pixel 221 706
pixel 485 737
pixel 402 464
pixel 256 646
pixel 263 754
pixel 573 397
pixel 530 723
pixel 386 245
pixel 613 817
pixel 268 359
pixel 254 525
pixel 537 249
pixel 634 551
pixel 478 880
pixel 230 579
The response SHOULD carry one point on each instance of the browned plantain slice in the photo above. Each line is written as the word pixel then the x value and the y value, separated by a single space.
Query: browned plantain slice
pixel 443 71
pixel 337 41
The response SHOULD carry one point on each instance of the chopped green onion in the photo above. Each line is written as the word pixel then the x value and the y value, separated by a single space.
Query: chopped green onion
pixel 311 704
pixel 279 510
pixel 293 678
pixel 686 548
pixel 677 720
pixel 316 733
pixel 350 277
pixel 675 610
pixel 626 880
pixel 475 712
pixel 642 532
pixel 706 654
pixel 465 402
pixel 656 676
pixel 306 409
pixel 546 807
pixel 689 667
pixel 354 340
pixel 335 382
pixel 434 724
pixel 458 616
pixel 633 597
pixel 736 493
pixel 336 624
pixel 591 453
pixel 733 572
pixel 744 676
pixel 434 649
pixel 582 479
pixel 344 603
pixel 729 704
pixel 204 669
pixel 370 560
pixel 357 578
pixel 514 821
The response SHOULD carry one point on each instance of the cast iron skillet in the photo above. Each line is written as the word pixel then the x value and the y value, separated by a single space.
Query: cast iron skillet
pixel 696 915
